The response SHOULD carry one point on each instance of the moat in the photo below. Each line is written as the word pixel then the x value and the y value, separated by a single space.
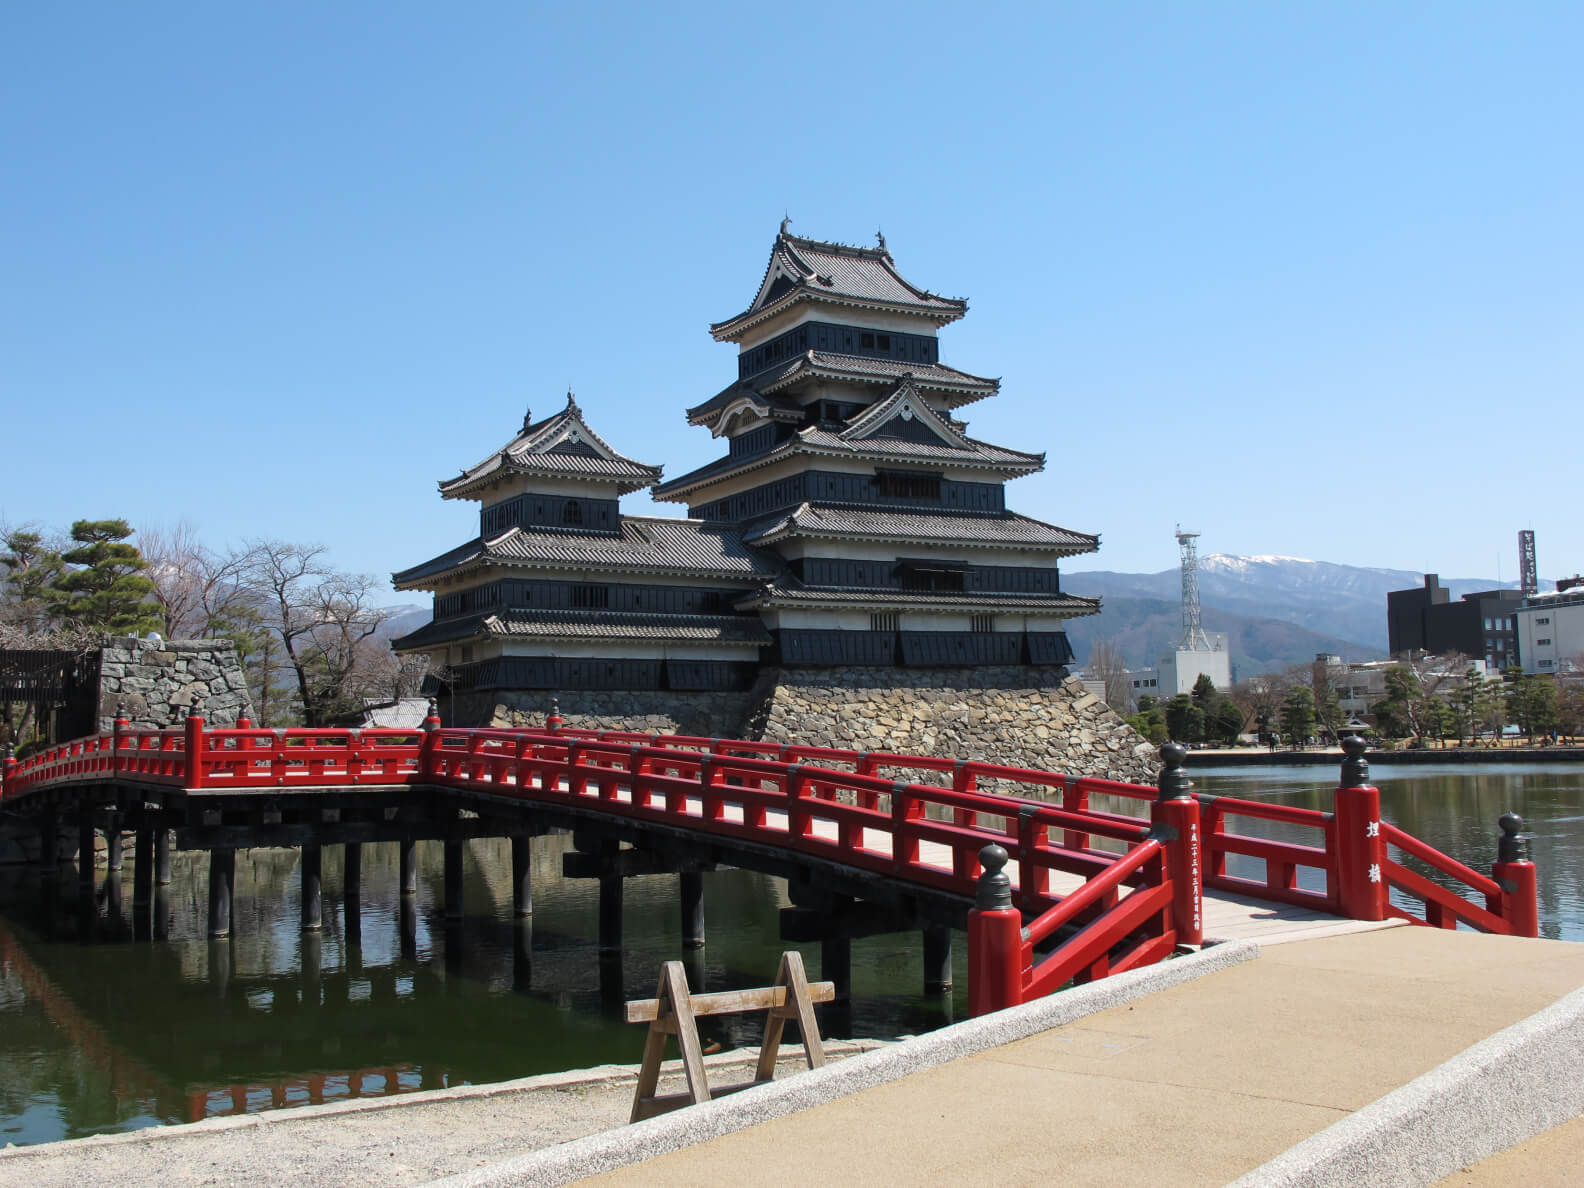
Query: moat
pixel 102 1031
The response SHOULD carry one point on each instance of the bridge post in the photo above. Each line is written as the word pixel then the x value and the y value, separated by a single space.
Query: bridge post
pixel 1514 873
pixel 995 939
pixel 691 884
pixel 8 765
pixel 453 879
pixel 522 875
pixel 194 746
pixel 431 740
pixel 610 913
pixel 553 718
pixel 162 857
pixel 937 958
pixel 1175 817
pixel 222 881
pixel 1360 848
pixel 312 887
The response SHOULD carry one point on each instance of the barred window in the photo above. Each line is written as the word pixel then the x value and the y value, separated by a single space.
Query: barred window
pixel 982 624
pixel 887 621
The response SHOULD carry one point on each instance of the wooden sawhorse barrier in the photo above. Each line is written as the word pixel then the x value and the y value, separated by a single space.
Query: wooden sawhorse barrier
pixel 675 1010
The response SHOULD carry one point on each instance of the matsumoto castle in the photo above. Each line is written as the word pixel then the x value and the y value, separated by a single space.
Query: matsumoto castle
pixel 851 522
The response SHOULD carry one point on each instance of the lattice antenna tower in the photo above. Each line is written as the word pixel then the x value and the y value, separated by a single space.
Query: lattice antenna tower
pixel 1194 638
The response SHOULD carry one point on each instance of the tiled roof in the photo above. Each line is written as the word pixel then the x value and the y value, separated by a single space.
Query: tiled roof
pixel 789 592
pixel 560 446
pixel 936 376
pixel 527 622
pixel 812 440
pixel 645 544
pixel 800 268
pixel 844 521
pixel 776 408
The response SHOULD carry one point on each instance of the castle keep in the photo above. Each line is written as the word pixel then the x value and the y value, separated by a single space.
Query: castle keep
pixel 852 536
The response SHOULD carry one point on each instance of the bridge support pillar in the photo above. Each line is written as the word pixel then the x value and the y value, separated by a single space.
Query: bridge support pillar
pixel 453 880
pixel 85 848
pixel 222 881
pixel 937 959
pixel 113 843
pixel 692 889
pixel 143 871
pixel 162 857
pixel 522 875
pixel 409 866
pixel 312 888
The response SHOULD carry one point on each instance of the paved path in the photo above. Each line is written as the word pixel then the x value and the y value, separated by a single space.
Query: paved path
pixel 1194 1085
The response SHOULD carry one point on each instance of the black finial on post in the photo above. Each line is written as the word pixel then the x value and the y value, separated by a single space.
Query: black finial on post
pixel 994 891
pixel 432 716
pixel 120 711
pixel 195 710
pixel 1174 782
pixel 1512 846
pixel 1355 771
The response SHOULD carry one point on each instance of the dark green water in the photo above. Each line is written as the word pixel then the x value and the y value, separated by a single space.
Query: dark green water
pixel 101 1032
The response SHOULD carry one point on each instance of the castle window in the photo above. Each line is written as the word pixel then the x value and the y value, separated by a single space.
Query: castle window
pixel 885 622
pixel 981 624
pixel 590 597
pixel 572 512
pixel 866 340
pixel 883 342
pixel 895 484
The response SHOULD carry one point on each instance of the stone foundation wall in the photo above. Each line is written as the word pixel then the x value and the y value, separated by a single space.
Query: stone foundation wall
pixel 713 715
pixel 1004 715
pixel 155 681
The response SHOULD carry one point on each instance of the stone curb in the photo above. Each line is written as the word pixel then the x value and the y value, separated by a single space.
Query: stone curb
pixel 617 1148
pixel 578 1078
pixel 1520 1082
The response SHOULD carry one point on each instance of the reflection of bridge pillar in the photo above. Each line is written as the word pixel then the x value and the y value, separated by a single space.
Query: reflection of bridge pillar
pixel 222 881
pixel 85 848
pixel 143 870
pixel 836 964
pixel 610 914
pixel 692 887
pixel 161 914
pixel 407 927
pixel 312 887
pixel 522 875
pixel 113 843
pixel 162 857
pixel 220 965
pixel 453 880
pixel 937 959
pixel 312 968
pixel 49 842
pixel 522 954
pixel 352 898
pixel 613 997
pixel 114 916
pixel 409 866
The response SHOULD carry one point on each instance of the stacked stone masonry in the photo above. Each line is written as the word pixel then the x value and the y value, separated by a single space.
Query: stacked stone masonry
pixel 157 681
pixel 1000 715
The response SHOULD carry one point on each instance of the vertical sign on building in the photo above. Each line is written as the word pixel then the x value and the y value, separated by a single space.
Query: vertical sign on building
pixel 1528 575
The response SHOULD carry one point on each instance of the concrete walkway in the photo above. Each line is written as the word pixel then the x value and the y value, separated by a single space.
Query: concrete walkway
pixel 1195 1085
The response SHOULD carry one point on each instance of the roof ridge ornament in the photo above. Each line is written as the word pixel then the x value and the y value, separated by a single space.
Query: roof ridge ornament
pixel 572 404
pixel 785 223
pixel 880 239
pixel 527 418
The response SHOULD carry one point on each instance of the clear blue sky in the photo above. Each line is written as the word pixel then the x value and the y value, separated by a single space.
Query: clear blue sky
pixel 1306 278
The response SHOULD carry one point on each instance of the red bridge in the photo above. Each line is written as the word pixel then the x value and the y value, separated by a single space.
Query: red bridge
pixel 1060 879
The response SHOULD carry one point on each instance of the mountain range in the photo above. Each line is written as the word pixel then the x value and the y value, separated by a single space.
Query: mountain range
pixel 1276 611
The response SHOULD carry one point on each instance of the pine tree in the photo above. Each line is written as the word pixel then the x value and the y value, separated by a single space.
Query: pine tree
pixel 106 589
pixel 31 568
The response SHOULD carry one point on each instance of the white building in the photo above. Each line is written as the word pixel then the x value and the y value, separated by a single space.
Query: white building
pixel 1181 668
pixel 1551 632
